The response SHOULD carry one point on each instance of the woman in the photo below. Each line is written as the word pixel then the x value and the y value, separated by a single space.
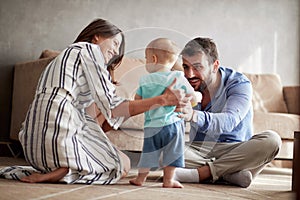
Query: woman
pixel 59 139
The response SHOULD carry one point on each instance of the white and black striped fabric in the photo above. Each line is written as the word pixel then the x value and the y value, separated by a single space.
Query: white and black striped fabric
pixel 58 133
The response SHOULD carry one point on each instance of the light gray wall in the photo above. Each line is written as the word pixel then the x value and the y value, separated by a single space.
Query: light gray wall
pixel 259 36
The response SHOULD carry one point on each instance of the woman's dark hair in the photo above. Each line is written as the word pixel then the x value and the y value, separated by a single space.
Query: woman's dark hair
pixel 202 45
pixel 104 29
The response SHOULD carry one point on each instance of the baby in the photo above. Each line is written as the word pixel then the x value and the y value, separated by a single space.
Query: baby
pixel 163 129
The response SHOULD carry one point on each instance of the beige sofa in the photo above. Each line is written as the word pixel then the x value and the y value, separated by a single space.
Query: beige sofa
pixel 275 107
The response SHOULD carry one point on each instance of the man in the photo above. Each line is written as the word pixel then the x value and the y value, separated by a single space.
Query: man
pixel 221 141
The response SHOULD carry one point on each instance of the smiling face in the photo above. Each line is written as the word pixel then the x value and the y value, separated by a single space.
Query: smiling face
pixel 109 46
pixel 198 71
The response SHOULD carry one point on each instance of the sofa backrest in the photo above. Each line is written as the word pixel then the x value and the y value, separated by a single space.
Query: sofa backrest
pixel 267 90
pixel 128 75
pixel 267 93
pixel 26 76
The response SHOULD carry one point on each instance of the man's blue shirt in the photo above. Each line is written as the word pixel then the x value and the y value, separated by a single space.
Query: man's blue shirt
pixel 228 117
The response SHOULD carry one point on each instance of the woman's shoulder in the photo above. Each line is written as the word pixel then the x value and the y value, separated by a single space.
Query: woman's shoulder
pixel 83 45
pixel 89 49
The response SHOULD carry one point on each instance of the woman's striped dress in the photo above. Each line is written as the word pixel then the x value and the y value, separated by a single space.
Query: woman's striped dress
pixel 58 133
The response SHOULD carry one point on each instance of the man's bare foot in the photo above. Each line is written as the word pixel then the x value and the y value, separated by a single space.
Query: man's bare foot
pixel 172 184
pixel 51 177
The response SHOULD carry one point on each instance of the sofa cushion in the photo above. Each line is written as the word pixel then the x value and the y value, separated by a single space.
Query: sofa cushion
pixel 127 65
pixel 284 124
pixel 267 93
pixel 26 76
pixel 128 75
pixel 48 53
pixel 127 139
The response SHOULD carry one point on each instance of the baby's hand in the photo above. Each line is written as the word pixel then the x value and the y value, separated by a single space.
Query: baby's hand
pixel 197 98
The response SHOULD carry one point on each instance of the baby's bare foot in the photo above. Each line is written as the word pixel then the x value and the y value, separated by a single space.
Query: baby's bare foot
pixel 172 184
pixel 136 182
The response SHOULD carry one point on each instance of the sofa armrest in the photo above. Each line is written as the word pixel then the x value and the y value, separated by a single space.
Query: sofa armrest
pixel 292 98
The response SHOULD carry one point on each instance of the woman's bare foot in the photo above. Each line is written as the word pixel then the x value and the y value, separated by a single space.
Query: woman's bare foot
pixel 172 184
pixel 52 177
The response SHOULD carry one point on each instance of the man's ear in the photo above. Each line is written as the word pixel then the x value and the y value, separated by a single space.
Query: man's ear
pixel 216 66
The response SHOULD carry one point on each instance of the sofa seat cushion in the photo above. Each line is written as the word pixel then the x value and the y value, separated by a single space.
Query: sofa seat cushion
pixel 286 150
pixel 127 139
pixel 267 93
pixel 284 124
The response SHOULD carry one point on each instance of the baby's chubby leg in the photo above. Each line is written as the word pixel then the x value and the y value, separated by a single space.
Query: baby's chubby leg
pixel 141 178
pixel 168 180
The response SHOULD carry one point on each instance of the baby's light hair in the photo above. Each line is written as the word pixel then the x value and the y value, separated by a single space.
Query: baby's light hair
pixel 165 50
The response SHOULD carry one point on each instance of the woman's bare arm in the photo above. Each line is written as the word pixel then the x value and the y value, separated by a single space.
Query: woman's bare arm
pixel 170 97
pixel 137 97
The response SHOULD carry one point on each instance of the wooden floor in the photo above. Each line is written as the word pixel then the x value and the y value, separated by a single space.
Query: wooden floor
pixel 272 183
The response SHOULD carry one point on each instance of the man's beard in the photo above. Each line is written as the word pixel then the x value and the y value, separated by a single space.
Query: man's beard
pixel 202 87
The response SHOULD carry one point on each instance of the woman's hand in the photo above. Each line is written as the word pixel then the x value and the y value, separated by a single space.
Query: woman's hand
pixel 170 97
pixel 175 97
pixel 181 100
pixel 186 112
